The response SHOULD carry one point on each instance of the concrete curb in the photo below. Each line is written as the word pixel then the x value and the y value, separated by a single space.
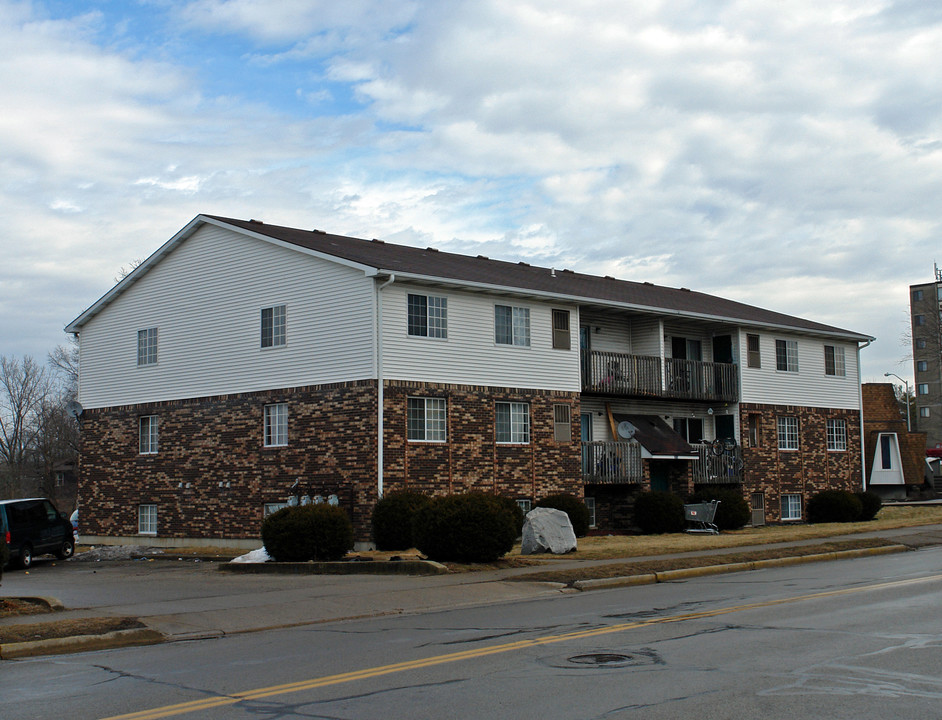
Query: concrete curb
pixel 378 567
pixel 81 643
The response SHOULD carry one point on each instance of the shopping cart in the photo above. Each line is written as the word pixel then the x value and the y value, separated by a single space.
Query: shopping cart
pixel 701 516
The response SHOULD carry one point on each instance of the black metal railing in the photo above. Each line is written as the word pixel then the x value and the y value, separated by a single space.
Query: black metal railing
pixel 611 462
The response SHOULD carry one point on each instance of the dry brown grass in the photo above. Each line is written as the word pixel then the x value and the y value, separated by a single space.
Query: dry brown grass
pixel 66 628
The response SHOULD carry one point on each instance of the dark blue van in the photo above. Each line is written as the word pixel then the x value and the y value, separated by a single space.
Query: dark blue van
pixel 33 526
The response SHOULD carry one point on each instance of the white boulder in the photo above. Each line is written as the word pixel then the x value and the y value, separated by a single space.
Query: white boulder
pixel 547 530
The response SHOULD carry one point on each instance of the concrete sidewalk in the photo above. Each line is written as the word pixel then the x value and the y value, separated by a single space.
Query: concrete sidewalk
pixel 187 599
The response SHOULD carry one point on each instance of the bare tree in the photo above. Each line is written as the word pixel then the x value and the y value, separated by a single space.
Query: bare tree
pixel 123 271
pixel 25 388
pixel 64 362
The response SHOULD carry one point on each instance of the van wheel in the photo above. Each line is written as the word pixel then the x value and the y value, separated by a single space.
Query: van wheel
pixel 26 556
pixel 66 549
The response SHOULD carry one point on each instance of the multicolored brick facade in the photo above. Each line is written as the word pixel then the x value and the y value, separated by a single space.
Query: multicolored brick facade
pixel 212 474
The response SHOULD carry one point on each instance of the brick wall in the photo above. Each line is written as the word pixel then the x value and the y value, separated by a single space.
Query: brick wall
pixel 882 414
pixel 805 471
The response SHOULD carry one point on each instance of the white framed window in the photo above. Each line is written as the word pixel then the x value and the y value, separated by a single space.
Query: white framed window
pixel 837 434
pixel 590 504
pixel 147 519
pixel 427 419
pixel 561 339
pixel 922 389
pixel 272 507
pixel 753 352
pixel 274 326
pixel 834 360
pixel 922 365
pixel 562 423
pixel 147 434
pixel 753 430
pixel 512 422
pixel 512 325
pixel 525 504
pixel 276 425
pixel 923 412
pixel 791 506
pixel 787 427
pixel 147 346
pixel 428 316
pixel 786 355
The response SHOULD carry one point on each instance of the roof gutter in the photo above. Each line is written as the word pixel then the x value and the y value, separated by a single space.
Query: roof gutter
pixel 380 400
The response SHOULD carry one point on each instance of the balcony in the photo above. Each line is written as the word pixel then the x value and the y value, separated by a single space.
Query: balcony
pixel 608 462
pixel 626 375
pixel 712 469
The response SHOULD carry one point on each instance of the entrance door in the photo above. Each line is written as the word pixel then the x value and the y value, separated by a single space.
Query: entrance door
pixel 758 509
pixel 725 427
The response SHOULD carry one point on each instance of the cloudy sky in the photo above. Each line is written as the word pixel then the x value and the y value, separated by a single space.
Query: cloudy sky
pixel 788 155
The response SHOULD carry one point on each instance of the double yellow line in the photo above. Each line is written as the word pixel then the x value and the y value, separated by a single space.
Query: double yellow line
pixel 367 673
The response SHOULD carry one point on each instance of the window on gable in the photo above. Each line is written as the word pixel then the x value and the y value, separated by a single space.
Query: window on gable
pixel 836 434
pixel 428 316
pixel 147 346
pixel 274 322
pixel 787 428
pixel 753 354
pixel 562 423
pixel 512 422
pixel 786 355
pixel 511 325
pixel 561 329
pixel 427 419
pixel 147 434
pixel 276 425
pixel 834 360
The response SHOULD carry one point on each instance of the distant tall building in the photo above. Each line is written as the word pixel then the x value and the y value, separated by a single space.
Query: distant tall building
pixel 925 302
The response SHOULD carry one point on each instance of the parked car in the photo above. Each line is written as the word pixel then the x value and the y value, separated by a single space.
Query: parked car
pixel 33 526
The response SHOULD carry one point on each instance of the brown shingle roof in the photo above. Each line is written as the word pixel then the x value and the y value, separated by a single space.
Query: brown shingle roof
pixel 445 266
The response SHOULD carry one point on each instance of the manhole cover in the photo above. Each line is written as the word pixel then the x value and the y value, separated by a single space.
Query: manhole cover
pixel 605 659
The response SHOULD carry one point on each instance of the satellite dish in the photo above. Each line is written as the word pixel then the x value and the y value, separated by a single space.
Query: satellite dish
pixel 626 430
pixel 74 408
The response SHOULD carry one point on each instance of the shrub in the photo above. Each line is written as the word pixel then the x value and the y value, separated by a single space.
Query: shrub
pixel 571 505
pixel 871 504
pixel 307 532
pixel 659 512
pixel 733 510
pixel 474 527
pixel 514 508
pixel 834 506
pixel 392 519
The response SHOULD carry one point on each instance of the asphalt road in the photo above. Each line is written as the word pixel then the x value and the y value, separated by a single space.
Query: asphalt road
pixel 848 639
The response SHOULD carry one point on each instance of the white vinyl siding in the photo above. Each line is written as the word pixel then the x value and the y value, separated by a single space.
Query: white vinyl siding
pixel 226 277
pixel 469 355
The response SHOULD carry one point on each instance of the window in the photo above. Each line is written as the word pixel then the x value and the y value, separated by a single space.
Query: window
pixel 512 422
pixel 922 388
pixel 147 346
pixel 921 343
pixel 273 326
pixel 787 433
pixel 919 320
pixel 276 425
pixel 561 329
pixel 791 507
pixel 834 360
pixel 147 434
pixel 562 425
pixel 924 412
pixel 753 355
pixel 147 519
pixel 786 355
pixel 428 316
pixel 426 419
pixel 753 430
pixel 590 504
pixel 917 295
pixel 273 507
pixel 836 434
pixel 886 451
pixel 511 325
pixel 525 504
pixel 922 365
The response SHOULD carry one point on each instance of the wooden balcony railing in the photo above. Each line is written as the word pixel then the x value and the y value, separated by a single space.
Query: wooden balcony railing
pixel 712 469
pixel 696 380
pixel 611 462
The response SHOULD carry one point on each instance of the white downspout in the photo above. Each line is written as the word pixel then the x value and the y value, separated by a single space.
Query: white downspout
pixel 863 445
pixel 379 384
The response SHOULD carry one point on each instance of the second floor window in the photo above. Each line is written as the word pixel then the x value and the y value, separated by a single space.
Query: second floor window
pixel 428 316
pixel 147 346
pixel 511 325
pixel 787 433
pixel 512 422
pixel 753 354
pixel 786 355
pixel 561 329
pixel 427 419
pixel 274 324
pixel 147 435
pixel 276 425
pixel 834 360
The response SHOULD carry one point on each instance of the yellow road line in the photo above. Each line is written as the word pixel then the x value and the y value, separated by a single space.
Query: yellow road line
pixel 367 673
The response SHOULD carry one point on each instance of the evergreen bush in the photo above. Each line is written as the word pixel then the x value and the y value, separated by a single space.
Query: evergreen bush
pixel 659 512
pixel 473 527
pixel 513 507
pixel 392 519
pixel 834 506
pixel 571 505
pixel 733 511
pixel 307 532
pixel 871 504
